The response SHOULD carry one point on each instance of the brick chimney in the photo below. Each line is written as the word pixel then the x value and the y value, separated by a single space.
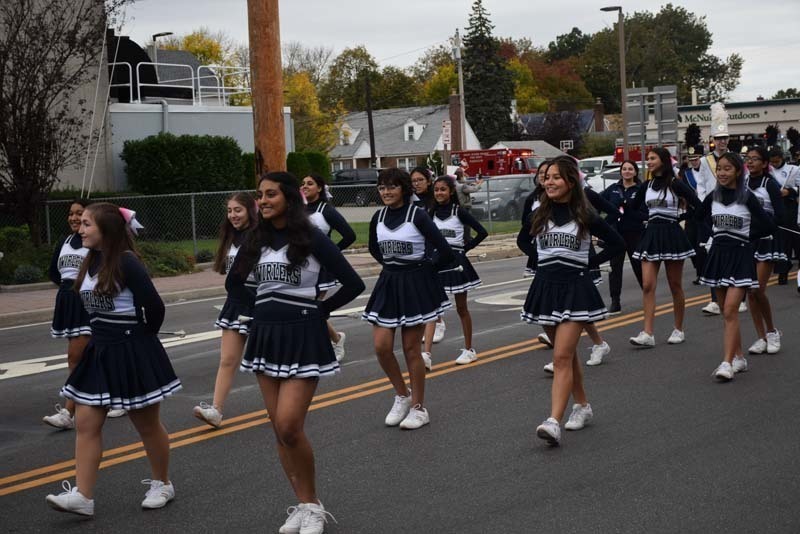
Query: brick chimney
pixel 455 121
pixel 599 116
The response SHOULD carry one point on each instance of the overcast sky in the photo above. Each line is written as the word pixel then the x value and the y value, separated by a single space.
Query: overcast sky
pixel 395 32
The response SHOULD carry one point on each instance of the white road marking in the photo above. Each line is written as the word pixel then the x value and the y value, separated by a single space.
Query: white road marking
pixel 510 298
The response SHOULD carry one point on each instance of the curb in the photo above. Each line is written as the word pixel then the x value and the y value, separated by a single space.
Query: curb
pixel 46 314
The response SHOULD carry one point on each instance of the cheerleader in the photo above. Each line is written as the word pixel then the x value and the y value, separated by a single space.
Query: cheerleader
pixel 729 211
pixel 325 217
pixel 408 293
pixel 124 365
pixel 663 241
pixel 562 296
pixel 241 218
pixel 460 276
pixel 769 251
pixel 288 347
pixel 70 319
pixel 422 184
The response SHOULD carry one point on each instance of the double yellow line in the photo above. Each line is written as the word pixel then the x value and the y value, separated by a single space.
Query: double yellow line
pixel 63 470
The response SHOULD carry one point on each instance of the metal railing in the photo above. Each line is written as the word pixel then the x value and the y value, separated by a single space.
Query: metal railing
pixel 129 85
pixel 196 217
pixel 220 74
pixel 167 83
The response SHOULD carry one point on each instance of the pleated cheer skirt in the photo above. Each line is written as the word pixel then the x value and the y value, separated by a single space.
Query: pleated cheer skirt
pixel 454 281
pixel 289 341
pixel 69 316
pixel 229 316
pixel 770 249
pixel 123 367
pixel 563 295
pixel 406 297
pixel 663 242
pixel 730 265
pixel 326 281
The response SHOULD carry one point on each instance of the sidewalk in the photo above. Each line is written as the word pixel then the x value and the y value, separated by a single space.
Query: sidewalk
pixel 19 305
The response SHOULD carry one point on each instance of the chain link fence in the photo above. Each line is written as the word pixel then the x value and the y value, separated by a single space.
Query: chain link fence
pixel 197 216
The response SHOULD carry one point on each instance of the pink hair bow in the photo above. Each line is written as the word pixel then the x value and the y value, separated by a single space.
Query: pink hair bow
pixel 130 220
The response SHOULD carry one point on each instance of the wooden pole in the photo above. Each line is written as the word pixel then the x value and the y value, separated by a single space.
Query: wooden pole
pixel 266 85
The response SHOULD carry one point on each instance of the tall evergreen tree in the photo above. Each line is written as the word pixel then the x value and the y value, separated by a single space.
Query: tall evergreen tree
pixel 488 84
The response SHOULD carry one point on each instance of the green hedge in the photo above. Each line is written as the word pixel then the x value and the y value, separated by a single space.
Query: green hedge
pixel 297 164
pixel 320 164
pixel 166 163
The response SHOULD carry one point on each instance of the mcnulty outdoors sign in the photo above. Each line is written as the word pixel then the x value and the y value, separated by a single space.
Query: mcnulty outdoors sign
pixel 698 118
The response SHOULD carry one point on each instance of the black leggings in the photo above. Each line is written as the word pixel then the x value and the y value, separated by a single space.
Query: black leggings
pixel 615 277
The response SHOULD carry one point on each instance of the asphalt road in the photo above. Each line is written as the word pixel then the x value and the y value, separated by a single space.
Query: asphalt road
pixel 669 450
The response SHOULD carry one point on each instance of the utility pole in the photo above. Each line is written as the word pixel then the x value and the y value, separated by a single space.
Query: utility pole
pixel 370 127
pixel 266 85
pixel 463 114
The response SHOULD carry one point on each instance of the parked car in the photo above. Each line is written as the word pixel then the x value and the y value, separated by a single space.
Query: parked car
pixel 360 187
pixel 596 165
pixel 502 197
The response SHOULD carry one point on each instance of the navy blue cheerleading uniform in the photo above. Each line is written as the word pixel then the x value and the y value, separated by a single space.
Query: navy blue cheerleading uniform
pixel 663 239
pixel 288 336
pixel 730 260
pixel 69 316
pixel 408 291
pixel 767 191
pixel 237 305
pixel 452 222
pixel 563 289
pixel 124 365
pixel 325 217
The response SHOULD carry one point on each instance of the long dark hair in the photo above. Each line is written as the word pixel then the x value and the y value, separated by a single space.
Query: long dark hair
pixel 320 181
pixel 116 239
pixel 227 232
pixel 578 204
pixel 666 171
pixel 298 227
pixel 741 183
pixel 395 176
pixel 451 186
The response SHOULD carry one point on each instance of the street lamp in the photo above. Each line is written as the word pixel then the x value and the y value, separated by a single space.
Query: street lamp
pixel 622 82
pixel 155 47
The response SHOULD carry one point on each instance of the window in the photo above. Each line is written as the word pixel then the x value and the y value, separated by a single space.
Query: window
pixel 410 132
pixel 341 165
pixel 406 163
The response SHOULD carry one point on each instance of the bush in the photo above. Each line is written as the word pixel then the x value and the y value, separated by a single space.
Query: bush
pixel 166 163
pixel 598 144
pixel 165 260
pixel 19 252
pixel 204 256
pixel 319 164
pixel 27 274
pixel 297 164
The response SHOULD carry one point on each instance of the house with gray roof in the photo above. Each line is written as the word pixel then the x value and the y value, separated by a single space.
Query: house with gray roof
pixel 404 137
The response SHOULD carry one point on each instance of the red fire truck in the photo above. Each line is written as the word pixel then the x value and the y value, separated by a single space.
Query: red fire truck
pixel 498 161
pixel 635 151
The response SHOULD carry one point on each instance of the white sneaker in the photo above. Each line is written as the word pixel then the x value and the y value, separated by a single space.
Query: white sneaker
pixel 548 368
pixel 292 524
pixel 158 495
pixel 438 332
pixel 712 308
pixel 427 359
pixel 338 347
pixel 399 410
pixel 544 339
pixel 759 346
pixel 208 414
pixel 417 417
pixel 643 340
pixel 724 371
pixel 598 352
pixel 677 336
pixel 773 342
pixel 466 356
pixel 114 413
pixel 579 417
pixel 61 419
pixel 549 431
pixel 739 364
pixel 71 500
pixel 742 307
pixel 313 519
